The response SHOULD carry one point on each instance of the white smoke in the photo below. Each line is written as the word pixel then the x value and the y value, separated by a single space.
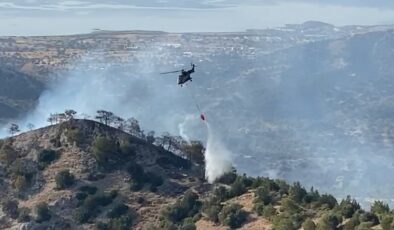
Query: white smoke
pixel 218 159
pixel 183 126
pixel 92 85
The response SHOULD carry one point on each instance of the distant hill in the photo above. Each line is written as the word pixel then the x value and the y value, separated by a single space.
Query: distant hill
pixel 81 174
pixel 18 92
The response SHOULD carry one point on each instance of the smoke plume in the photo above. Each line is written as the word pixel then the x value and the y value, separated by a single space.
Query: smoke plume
pixel 217 156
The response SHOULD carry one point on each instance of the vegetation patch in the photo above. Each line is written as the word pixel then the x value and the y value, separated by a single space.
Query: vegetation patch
pixel 46 157
pixel 64 179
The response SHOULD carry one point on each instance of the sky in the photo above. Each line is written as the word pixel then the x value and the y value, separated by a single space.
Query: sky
pixel 57 17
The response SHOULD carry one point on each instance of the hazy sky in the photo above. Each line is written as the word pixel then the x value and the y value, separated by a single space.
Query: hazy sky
pixel 48 17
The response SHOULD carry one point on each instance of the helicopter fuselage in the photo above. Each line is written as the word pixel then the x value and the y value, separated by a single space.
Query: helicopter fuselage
pixel 185 76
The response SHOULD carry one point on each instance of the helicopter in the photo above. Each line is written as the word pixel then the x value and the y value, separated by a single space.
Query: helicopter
pixel 184 76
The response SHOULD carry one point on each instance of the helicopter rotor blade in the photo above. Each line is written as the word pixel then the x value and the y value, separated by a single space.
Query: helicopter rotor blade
pixel 177 71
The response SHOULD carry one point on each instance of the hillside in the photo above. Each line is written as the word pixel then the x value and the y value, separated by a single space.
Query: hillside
pixel 28 171
pixel 309 102
pixel 82 174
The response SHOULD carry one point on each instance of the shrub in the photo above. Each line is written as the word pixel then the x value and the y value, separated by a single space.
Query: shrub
pixel 140 200
pixel 20 182
pixel 46 156
pixel 188 206
pixel 369 217
pixel 118 211
pixel 188 226
pixel 103 200
pixel 283 222
pixel 237 188
pixel 233 216
pixel 73 135
pixel 328 222
pixel 259 208
pixel 351 224
pixel 64 179
pixel 289 205
pixel 220 193
pixel 10 208
pixel 8 154
pixel 228 178
pixel 308 225
pixel 24 215
pixel 91 203
pixel 82 215
pixel 365 226
pixel 312 196
pixel 212 212
pixel 263 195
pixel 105 151
pixel 113 193
pixel 269 184
pixel 386 222
pixel 121 223
pixel 154 179
pixel 328 200
pixel 136 186
pixel 91 190
pixel 283 186
pixel 136 172
pixel 269 211
pixel 127 148
pixel 81 196
pixel 42 212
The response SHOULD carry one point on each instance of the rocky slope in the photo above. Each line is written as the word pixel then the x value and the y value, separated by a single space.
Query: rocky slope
pixel 72 142
pixel 81 174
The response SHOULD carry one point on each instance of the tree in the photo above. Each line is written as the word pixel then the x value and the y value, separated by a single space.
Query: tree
pixel 297 193
pixel 14 128
pixel 70 114
pixel 55 118
pixel 133 127
pixel 105 117
pixel 378 207
pixel 194 151
pixel 348 207
pixel 51 119
pixel 328 200
pixel 30 126
pixel 60 117
pixel 119 123
pixel 150 137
